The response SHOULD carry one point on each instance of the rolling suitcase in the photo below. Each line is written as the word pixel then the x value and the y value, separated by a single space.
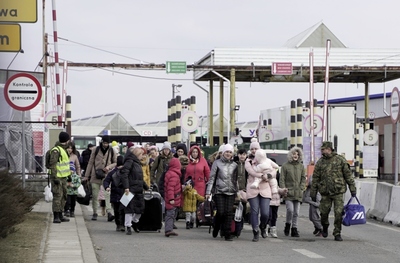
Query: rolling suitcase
pixel 151 219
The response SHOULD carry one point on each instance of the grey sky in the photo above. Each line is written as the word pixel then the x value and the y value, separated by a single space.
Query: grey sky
pixel 160 31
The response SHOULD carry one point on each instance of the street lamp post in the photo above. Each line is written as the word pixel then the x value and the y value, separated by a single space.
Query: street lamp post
pixel 173 89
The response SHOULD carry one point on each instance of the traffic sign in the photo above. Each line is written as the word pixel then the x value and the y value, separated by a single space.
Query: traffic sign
pixel 22 91
pixel 266 136
pixel 53 117
pixel 282 68
pixel 176 67
pixel 10 37
pixel 235 140
pixel 18 11
pixel 317 124
pixel 394 105
pixel 189 121
pixel 370 137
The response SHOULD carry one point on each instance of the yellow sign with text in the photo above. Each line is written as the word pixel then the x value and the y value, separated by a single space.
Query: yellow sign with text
pixel 10 37
pixel 19 11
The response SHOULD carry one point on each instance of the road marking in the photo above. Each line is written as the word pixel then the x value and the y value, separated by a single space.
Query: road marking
pixel 385 227
pixel 308 253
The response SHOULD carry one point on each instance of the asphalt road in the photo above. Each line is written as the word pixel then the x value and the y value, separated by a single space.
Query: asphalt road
pixel 373 242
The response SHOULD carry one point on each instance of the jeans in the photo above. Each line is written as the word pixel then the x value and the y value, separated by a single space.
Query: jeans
pixel 258 205
pixel 292 212
pixel 95 195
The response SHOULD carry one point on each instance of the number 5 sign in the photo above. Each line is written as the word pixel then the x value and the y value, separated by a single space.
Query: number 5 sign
pixel 189 121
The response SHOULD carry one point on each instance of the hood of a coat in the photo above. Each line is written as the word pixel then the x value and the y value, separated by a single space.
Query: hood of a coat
pixel 292 151
pixel 174 165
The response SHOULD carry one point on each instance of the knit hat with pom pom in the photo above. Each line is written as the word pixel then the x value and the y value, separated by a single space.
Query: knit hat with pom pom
pixel 254 144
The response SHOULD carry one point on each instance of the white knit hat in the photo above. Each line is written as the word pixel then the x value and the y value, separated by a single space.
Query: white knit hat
pixel 166 145
pixel 221 148
pixel 227 147
pixel 254 144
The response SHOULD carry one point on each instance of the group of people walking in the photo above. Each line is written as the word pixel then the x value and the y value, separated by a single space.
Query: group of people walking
pixel 187 178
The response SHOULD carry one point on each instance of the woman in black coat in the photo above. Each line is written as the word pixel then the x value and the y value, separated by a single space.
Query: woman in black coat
pixel 132 181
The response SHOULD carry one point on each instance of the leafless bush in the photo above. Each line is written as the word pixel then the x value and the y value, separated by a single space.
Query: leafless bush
pixel 15 202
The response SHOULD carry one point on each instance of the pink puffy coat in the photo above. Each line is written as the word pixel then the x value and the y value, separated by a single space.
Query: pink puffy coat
pixel 264 188
pixel 172 184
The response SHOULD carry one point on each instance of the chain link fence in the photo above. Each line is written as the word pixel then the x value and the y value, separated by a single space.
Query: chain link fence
pixel 37 142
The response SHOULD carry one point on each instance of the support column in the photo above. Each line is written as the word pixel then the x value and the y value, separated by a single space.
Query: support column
pixel 68 114
pixel 221 111
pixel 299 119
pixel 232 105
pixel 193 108
pixel 173 120
pixel 210 131
pixel 169 122
pixel 292 124
pixel 178 138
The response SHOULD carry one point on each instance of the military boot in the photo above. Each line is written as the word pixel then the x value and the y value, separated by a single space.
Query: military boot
pixel 63 219
pixel 56 218
pixel 325 231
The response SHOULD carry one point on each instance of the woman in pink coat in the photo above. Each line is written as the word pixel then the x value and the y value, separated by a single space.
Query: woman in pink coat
pixel 172 194
pixel 259 198
pixel 198 169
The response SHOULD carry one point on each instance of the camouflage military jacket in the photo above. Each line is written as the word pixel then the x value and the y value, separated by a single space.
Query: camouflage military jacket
pixel 331 174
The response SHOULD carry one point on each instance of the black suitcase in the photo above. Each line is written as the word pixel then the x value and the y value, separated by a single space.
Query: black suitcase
pixel 151 219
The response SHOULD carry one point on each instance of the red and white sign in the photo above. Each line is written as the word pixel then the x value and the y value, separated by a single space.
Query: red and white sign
pixel 394 105
pixel 282 68
pixel 147 133
pixel 22 91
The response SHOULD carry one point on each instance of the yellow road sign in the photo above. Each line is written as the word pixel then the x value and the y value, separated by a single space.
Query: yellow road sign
pixel 10 37
pixel 20 11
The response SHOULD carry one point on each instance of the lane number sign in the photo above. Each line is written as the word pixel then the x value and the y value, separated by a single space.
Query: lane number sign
pixel 189 121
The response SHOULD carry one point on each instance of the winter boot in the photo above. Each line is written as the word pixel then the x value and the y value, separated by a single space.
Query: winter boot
pixel 110 217
pixel 94 217
pixel 129 230
pixel 316 230
pixel 325 231
pixel 338 238
pixel 63 219
pixel 274 233
pixel 187 225
pixel 191 224
pixel 72 214
pixel 294 232
pixel 256 235
pixel 269 229
pixel 263 228
pixel 135 227
pixel 67 214
pixel 287 229
pixel 56 218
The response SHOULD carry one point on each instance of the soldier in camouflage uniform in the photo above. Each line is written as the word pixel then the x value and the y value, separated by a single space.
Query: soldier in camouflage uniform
pixel 60 176
pixel 331 174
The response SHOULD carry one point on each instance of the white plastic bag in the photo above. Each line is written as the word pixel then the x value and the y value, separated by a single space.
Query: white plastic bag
pixel 81 191
pixel 239 212
pixel 48 195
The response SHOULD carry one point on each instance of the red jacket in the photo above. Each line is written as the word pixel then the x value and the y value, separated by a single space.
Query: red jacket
pixel 199 170
pixel 172 184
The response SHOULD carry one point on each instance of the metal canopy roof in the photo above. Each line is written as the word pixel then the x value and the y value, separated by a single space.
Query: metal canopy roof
pixel 347 65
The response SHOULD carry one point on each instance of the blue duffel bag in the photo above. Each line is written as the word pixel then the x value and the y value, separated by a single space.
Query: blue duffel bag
pixel 354 214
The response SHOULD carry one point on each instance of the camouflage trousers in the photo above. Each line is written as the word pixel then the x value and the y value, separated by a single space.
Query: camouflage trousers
pixel 325 208
pixel 59 194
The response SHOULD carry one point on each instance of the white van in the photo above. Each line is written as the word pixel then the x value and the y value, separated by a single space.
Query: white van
pixel 280 156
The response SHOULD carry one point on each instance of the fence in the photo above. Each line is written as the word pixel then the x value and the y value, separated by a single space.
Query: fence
pixel 36 141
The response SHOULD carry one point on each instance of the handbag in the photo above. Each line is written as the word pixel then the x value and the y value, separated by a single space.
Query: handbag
pixel 81 191
pixel 100 174
pixel 239 212
pixel 353 214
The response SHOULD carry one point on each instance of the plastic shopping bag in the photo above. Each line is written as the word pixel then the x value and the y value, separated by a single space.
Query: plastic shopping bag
pixel 81 191
pixel 48 195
